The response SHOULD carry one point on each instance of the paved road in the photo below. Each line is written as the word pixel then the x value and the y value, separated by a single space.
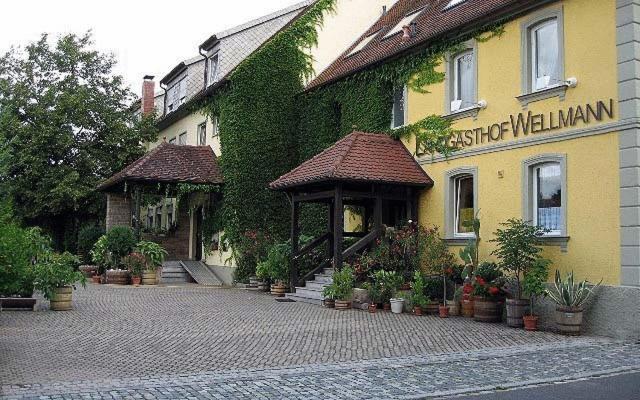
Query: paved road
pixel 616 387
pixel 205 343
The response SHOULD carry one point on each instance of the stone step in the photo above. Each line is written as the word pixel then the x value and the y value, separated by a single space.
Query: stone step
pixel 309 293
pixel 328 271
pixel 316 285
pixel 300 299
pixel 323 278
pixel 174 280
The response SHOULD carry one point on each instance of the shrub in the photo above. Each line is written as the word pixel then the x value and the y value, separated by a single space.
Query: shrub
pixel 534 281
pixel 276 264
pixel 343 282
pixel 488 280
pixel 135 263
pixel 389 283
pixel 120 241
pixel 153 254
pixel 418 287
pixel 87 238
pixel 100 254
pixel 19 249
pixel 55 271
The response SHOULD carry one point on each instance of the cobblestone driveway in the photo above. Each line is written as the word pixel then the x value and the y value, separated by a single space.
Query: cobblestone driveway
pixel 159 338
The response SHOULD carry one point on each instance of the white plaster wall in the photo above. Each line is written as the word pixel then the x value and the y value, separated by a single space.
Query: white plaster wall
pixel 189 124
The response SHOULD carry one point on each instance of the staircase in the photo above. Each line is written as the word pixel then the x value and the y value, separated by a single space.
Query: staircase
pixel 201 273
pixel 312 291
pixel 174 272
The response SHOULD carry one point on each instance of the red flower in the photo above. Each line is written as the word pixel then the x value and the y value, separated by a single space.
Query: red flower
pixel 494 290
pixel 480 281
pixel 467 289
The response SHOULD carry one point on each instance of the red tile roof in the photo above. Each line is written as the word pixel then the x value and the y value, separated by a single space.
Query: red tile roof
pixel 170 163
pixel 434 21
pixel 358 157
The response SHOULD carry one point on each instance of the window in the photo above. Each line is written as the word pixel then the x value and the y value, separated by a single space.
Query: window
pixel 202 134
pixel 404 22
pixel 464 84
pixel 399 107
pixel 363 43
pixel 177 94
pixel 216 127
pixel 214 61
pixel 182 139
pixel 547 200
pixel 544 191
pixel 158 217
pixel 463 205
pixel 453 3
pixel 150 218
pixel 545 57
pixel 172 140
pixel 461 202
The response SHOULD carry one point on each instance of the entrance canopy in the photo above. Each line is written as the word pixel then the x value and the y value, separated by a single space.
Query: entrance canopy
pixel 168 164
pixel 369 170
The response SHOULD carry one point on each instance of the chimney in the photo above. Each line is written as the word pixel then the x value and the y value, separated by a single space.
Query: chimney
pixel 148 94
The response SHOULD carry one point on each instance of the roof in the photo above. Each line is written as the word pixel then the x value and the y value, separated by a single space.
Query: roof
pixel 170 163
pixel 436 19
pixel 358 157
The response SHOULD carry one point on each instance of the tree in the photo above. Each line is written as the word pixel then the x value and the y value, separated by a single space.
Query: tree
pixel 65 125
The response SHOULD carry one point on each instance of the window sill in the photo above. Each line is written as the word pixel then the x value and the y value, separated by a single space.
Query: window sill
pixel 550 92
pixel 458 241
pixel 560 241
pixel 464 113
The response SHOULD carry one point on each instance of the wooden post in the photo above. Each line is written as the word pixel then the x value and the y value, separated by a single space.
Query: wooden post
pixel 377 212
pixel 409 204
pixel 136 212
pixel 338 228
pixel 365 218
pixel 295 233
pixel 330 230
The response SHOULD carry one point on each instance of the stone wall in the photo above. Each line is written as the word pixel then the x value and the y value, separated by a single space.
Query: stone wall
pixel 614 311
pixel 177 242
pixel 118 211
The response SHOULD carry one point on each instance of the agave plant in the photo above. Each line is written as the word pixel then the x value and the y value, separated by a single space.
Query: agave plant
pixel 568 293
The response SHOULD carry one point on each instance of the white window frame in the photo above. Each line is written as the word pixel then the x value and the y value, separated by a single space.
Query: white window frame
pixel 173 140
pixel 212 69
pixel 451 85
pixel 456 78
pixel 533 42
pixel 404 109
pixel 529 189
pixel 405 21
pixel 202 139
pixel 451 179
pixel 177 94
pixel 216 127
pixel 182 142
pixel 456 207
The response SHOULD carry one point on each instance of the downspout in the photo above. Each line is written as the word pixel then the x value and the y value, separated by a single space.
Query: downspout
pixel 164 101
pixel 206 66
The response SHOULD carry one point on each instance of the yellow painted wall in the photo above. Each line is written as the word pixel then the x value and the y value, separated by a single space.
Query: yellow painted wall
pixel 592 162
pixel 189 124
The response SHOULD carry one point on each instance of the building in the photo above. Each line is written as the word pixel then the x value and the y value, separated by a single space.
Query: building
pixel 545 115
pixel 184 120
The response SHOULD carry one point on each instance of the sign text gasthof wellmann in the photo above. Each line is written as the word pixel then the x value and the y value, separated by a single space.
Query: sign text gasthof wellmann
pixel 529 123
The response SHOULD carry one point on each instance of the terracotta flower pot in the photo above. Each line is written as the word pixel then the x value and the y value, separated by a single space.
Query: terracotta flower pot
pixel 386 306
pixel 372 307
pixel 135 280
pixel 530 322
pixel 417 310
pixel 444 311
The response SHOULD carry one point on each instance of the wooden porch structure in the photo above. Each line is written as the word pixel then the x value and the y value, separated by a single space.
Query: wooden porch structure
pixel 367 170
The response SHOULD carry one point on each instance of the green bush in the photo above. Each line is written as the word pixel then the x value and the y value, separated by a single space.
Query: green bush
pixel 276 265
pixel 343 282
pixel 153 253
pixel 135 263
pixel 100 254
pixel 55 271
pixel 120 242
pixel 19 249
pixel 87 237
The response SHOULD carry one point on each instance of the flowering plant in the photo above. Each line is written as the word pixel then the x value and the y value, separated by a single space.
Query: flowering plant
pixel 488 280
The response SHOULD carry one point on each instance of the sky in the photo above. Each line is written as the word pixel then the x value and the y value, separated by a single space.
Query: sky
pixel 146 36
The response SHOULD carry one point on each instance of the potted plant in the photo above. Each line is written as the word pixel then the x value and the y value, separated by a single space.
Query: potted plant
pixel 518 250
pixel 487 293
pixel 389 282
pixel 569 297
pixel 533 285
pixel 100 256
pixel 329 294
pixel 55 277
pixel 454 277
pixel 454 304
pixel 343 282
pixel 418 298
pixel 374 291
pixel 154 256
pixel 276 268
pixel 135 263
pixel 120 241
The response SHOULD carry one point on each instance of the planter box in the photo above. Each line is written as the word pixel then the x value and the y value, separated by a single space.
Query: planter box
pixel 118 277
pixel 17 303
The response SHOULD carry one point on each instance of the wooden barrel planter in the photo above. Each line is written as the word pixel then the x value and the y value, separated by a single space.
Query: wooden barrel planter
pixel 486 309
pixel 88 270
pixel 329 303
pixel 431 309
pixel 454 308
pixel 467 308
pixel 342 305
pixel 278 289
pixel 61 299
pixel 516 309
pixel 149 278
pixel 569 320
pixel 118 277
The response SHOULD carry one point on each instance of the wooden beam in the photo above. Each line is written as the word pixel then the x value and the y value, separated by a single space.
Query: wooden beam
pixel 360 244
pixel 324 195
pixel 311 245
pixel 354 234
pixel 369 195
pixel 377 212
pixel 338 228
pixel 295 233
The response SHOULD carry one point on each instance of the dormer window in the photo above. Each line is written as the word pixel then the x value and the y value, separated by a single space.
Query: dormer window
pixel 177 94
pixel 363 43
pixel 404 22
pixel 212 75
